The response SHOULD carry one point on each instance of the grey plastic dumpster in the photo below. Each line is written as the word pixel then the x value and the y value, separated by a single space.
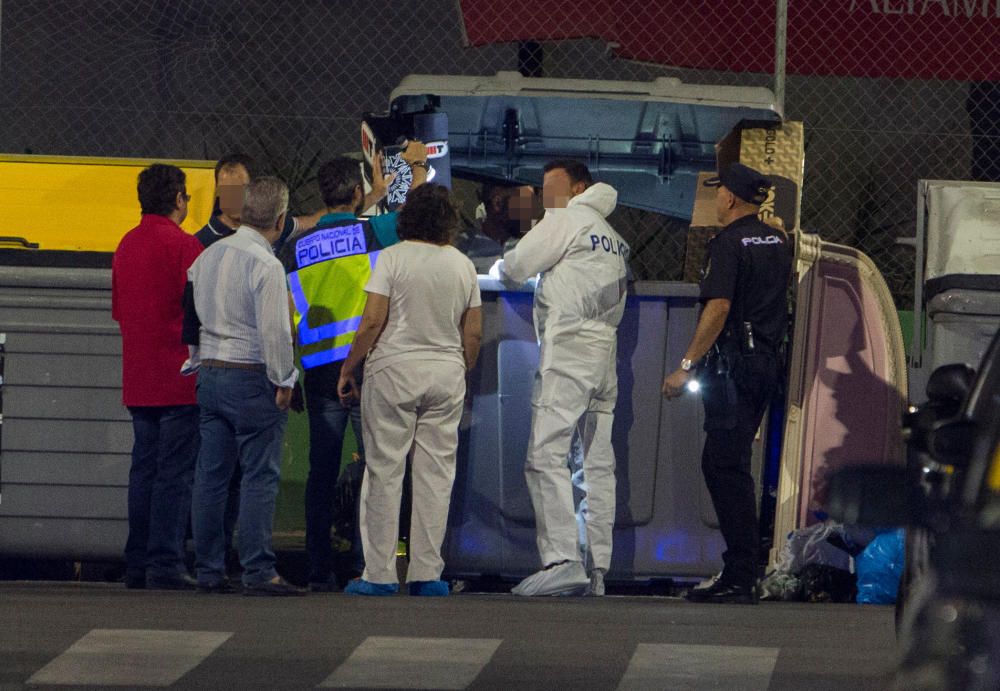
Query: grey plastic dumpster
pixel 64 449
pixel 957 286
pixel 664 513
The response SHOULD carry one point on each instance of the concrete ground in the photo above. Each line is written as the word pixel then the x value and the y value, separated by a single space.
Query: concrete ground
pixel 98 635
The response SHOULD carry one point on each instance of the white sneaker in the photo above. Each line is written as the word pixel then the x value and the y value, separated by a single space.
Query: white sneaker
pixel 596 587
pixel 560 579
pixel 708 582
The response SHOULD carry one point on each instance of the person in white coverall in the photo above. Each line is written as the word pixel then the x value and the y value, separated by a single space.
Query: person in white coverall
pixel 579 301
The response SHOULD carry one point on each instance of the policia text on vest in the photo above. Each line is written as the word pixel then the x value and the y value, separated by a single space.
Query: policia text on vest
pixel 330 244
pixel 328 268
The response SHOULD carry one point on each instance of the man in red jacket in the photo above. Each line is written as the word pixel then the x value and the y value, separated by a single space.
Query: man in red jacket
pixel 147 287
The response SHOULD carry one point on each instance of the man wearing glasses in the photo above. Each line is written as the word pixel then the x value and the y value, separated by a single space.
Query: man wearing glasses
pixel 148 275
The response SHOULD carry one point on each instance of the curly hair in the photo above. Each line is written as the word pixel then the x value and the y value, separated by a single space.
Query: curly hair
pixel 158 187
pixel 428 215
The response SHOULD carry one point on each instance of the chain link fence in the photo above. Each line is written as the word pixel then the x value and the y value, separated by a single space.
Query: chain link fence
pixel 883 86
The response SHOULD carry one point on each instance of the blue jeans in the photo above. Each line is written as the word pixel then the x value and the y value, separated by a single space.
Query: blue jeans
pixel 327 423
pixel 159 489
pixel 237 410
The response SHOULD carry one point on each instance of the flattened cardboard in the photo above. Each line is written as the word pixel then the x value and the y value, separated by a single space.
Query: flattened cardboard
pixel 777 151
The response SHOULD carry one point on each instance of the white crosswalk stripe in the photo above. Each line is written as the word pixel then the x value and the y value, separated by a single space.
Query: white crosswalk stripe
pixel 699 667
pixel 130 657
pixel 384 662
pixel 142 657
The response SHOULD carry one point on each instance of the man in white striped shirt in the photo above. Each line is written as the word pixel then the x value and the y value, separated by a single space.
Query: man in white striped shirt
pixel 244 389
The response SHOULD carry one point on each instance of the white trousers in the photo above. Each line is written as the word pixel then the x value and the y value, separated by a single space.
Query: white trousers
pixel 576 385
pixel 412 405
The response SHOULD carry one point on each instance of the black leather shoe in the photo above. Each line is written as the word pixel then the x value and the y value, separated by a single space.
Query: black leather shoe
pixel 221 588
pixel 327 586
pixel 180 582
pixel 276 587
pixel 233 567
pixel 133 582
pixel 727 593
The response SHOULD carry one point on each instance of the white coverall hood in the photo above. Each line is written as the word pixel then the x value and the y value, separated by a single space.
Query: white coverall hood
pixel 583 264
pixel 600 197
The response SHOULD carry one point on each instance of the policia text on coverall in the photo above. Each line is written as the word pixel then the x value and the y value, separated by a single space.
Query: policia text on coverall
pixel 741 327
pixel 579 301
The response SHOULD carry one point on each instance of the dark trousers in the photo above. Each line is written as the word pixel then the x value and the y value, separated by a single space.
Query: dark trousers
pixel 159 489
pixel 733 412
pixel 232 514
pixel 328 421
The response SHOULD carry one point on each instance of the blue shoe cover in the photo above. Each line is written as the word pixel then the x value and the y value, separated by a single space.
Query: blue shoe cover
pixel 429 588
pixel 360 586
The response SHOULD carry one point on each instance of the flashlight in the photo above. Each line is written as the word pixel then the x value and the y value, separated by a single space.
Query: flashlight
pixel 693 385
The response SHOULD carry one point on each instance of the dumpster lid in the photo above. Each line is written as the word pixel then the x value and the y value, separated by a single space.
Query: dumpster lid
pixel 649 140
pixel 963 242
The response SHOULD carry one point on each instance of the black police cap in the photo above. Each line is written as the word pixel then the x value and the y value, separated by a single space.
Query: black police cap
pixel 743 181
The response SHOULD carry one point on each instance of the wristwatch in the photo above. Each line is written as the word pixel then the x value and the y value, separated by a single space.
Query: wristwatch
pixel 686 365
pixel 420 164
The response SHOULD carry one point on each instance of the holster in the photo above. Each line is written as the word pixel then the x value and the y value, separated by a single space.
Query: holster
pixel 718 386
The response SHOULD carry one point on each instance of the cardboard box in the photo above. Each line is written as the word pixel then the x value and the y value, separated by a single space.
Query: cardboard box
pixel 777 151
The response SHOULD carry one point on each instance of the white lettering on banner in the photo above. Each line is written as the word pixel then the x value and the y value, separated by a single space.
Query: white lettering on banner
pixel 887 8
pixel 330 244
pixel 769 240
pixel 959 9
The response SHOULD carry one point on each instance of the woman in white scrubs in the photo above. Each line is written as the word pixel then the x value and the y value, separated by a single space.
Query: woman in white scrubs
pixel 420 331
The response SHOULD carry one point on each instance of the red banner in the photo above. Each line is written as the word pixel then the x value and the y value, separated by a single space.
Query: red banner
pixel 923 39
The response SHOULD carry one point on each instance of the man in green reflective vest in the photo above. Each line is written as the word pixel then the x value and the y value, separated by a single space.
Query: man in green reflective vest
pixel 328 267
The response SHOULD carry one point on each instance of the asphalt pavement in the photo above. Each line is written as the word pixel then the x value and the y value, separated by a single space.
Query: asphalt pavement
pixel 101 635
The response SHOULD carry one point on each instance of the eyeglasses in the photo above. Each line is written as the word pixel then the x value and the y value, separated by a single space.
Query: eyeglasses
pixel 185 196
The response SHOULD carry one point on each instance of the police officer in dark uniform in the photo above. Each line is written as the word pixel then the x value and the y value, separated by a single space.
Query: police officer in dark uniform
pixel 735 352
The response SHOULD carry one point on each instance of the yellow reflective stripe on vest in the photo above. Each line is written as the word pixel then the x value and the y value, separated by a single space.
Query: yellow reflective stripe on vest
pixel 329 300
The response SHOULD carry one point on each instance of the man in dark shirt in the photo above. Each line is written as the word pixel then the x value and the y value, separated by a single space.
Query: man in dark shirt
pixel 233 172
pixel 742 326
pixel 507 212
